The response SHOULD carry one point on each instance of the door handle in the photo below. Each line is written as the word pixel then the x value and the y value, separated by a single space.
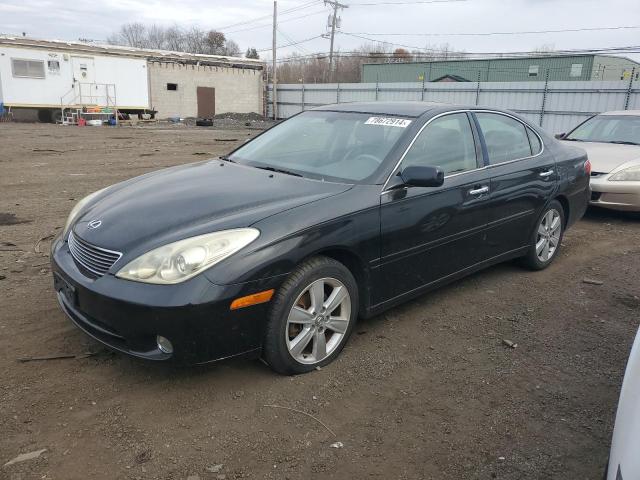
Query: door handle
pixel 479 191
pixel 546 173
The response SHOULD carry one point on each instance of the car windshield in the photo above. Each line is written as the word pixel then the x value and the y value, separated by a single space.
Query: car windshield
pixel 331 146
pixel 609 129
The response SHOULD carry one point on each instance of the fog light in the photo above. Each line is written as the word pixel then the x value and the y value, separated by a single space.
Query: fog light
pixel 164 344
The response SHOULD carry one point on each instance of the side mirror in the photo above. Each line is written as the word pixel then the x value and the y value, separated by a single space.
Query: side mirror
pixel 560 136
pixel 422 176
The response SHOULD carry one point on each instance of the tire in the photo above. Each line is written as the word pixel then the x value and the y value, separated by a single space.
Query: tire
pixel 551 243
pixel 294 317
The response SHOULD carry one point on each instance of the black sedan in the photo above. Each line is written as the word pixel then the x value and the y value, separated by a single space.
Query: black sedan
pixel 337 213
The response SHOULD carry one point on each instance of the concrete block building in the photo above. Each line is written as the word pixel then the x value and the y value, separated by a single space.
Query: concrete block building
pixel 201 89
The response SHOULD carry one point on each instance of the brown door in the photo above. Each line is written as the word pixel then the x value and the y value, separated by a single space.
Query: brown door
pixel 206 102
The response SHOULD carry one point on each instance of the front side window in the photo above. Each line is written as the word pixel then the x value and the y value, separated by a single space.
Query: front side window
pixel 27 68
pixel 608 129
pixel 332 146
pixel 447 142
pixel 505 137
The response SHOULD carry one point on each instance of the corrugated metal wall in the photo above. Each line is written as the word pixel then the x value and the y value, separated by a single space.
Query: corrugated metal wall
pixel 558 68
pixel 556 106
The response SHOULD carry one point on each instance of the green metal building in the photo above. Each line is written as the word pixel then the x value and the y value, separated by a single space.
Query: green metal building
pixel 518 69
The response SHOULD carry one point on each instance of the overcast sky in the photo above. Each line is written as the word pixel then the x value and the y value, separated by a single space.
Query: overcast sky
pixel 97 19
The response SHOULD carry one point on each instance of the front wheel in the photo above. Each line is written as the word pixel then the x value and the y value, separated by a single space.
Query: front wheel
pixel 312 317
pixel 546 238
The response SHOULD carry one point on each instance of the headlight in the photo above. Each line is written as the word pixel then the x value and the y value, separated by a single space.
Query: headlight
pixel 179 261
pixel 76 210
pixel 630 174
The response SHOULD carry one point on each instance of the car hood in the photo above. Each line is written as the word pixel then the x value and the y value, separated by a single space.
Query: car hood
pixel 179 202
pixel 606 157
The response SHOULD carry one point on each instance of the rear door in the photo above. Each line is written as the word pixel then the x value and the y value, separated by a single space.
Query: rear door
pixel 429 233
pixel 523 179
pixel 206 102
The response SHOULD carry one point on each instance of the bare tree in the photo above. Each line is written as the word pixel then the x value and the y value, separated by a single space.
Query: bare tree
pixel 214 42
pixel 231 48
pixel 130 35
pixel 195 40
pixel 314 69
pixel 156 37
pixel 192 40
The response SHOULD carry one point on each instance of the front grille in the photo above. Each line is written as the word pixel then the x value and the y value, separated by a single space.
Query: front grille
pixel 94 259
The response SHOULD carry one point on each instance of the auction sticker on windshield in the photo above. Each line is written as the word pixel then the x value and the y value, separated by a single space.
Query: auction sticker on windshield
pixel 388 122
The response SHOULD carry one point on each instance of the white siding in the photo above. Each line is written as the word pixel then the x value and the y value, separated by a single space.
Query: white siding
pixel 129 75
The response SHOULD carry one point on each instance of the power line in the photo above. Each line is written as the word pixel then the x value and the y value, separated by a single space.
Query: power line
pixel 479 34
pixel 280 21
pixel 264 17
pixel 290 44
pixel 473 53
pixel 372 4
pixel 466 55
pixel 293 42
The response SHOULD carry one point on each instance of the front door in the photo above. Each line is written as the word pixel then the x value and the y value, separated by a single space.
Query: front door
pixel 430 233
pixel 206 102
pixel 83 69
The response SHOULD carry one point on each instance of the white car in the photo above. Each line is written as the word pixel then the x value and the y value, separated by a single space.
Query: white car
pixel 612 141
pixel 624 461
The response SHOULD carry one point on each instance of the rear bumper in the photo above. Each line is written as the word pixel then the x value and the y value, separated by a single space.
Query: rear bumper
pixel 127 316
pixel 615 195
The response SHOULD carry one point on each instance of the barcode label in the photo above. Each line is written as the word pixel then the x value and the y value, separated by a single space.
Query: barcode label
pixel 388 122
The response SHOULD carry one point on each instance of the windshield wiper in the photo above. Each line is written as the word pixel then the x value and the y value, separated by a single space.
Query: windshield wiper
pixel 623 142
pixel 226 158
pixel 280 170
pixel 573 139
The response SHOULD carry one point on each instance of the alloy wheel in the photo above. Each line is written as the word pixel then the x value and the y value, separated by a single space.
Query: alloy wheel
pixel 548 236
pixel 318 320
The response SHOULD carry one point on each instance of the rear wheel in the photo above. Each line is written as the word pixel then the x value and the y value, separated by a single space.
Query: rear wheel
pixel 547 237
pixel 312 317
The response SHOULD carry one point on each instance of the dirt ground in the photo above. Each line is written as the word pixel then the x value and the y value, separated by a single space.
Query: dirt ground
pixel 426 391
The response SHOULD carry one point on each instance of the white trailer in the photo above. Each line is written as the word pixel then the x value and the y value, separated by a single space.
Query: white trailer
pixel 56 77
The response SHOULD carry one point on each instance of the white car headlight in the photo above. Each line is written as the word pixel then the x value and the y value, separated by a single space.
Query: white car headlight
pixel 181 260
pixel 77 208
pixel 629 174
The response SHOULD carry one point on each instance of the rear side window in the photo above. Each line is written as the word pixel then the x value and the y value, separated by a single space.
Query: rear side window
pixel 506 138
pixel 534 141
pixel 447 142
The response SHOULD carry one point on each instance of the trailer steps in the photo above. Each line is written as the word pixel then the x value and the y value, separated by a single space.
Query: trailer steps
pixel 87 101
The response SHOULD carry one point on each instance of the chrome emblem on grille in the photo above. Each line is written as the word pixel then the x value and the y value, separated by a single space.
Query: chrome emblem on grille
pixel 94 224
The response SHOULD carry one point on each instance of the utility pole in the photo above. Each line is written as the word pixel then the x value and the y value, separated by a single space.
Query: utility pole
pixel 274 79
pixel 334 19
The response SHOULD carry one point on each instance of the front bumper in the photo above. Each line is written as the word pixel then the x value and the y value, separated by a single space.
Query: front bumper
pixel 615 195
pixel 194 315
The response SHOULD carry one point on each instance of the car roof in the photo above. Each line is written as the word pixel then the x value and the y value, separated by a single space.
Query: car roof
pixel 405 109
pixel 630 113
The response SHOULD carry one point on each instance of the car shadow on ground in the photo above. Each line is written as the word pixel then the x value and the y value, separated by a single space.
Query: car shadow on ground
pixel 598 214
pixel 256 369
